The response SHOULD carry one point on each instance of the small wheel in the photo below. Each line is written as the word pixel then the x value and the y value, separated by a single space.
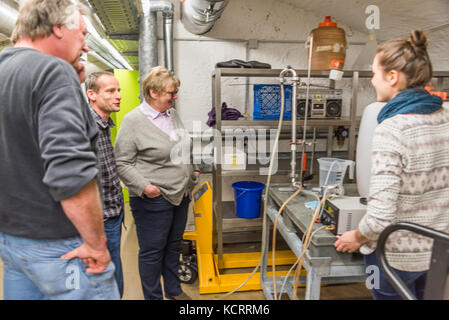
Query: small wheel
pixel 187 274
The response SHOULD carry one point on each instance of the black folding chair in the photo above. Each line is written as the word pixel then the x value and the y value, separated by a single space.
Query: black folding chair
pixel 437 283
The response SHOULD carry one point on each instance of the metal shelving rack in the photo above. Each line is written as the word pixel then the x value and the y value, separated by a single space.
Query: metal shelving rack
pixel 351 123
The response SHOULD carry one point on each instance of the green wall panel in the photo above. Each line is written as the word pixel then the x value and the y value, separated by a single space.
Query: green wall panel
pixel 129 90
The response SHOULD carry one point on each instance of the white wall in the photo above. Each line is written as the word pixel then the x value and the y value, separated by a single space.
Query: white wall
pixel 268 21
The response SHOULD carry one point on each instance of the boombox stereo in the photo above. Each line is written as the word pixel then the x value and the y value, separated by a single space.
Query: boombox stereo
pixel 322 103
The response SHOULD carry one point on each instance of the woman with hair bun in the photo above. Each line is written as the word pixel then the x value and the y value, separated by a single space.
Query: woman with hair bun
pixel 410 166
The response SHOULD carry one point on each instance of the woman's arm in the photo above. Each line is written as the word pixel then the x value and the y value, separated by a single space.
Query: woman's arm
pixel 384 190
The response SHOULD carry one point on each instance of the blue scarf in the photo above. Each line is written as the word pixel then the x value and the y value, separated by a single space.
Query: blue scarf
pixel 410 101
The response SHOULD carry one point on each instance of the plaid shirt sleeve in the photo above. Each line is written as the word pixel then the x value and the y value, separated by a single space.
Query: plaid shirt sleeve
pixel 110 183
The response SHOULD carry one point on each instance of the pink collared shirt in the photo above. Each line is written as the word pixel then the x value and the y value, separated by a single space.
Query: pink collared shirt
pixel 161 120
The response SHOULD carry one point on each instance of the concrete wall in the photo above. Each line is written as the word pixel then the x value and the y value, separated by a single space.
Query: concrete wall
pixel 272 23
pixel 281 28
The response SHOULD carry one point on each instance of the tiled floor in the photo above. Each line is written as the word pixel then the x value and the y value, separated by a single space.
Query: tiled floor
pixel 133 290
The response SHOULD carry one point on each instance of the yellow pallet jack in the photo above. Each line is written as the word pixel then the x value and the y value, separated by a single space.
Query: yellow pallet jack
pixel 210 278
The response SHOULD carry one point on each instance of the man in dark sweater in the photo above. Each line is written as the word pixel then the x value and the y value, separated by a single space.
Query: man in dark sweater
pixel 52 239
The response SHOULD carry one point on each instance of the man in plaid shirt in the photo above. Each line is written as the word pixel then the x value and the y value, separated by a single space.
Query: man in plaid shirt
pixel 103 91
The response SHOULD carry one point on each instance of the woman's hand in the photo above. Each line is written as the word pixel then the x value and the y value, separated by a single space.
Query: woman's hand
pixel 152 191
pixel 350 241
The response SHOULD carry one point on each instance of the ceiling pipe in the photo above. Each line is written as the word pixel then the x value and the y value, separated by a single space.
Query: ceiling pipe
pixel 8 14
pixel 148 53
pixel 168 39
pixel 148 48
pixel 199 16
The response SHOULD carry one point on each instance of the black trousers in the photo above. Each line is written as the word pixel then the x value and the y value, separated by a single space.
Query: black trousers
pixel 160 226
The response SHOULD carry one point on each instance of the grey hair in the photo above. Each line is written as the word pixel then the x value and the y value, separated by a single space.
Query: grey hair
pixel 91 81
pixel 37 17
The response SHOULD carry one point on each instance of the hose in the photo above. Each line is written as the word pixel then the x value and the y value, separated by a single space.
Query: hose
pixel 301 172
pixel 265 204
pixel 306 244
pixel 294 265
pixel 273 249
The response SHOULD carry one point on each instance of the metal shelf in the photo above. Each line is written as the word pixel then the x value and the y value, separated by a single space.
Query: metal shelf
pixel 246 72
pixel 250 173
pixel 274 123
pixel 352 122
pixel 232 223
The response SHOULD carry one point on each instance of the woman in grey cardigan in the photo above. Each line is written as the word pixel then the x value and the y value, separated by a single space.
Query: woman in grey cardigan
pixel 159 184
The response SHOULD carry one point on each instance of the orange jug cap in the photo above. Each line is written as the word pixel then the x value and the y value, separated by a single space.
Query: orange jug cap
pixel 327 22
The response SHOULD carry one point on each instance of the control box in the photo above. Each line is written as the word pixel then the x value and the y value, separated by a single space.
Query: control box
pixel 343 214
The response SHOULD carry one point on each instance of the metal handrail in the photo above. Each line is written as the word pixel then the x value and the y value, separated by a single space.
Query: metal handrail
pixel 394 279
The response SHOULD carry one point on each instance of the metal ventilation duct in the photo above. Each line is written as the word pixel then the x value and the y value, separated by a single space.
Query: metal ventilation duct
pixel 8 14
pixel 199 16
pixel 148 50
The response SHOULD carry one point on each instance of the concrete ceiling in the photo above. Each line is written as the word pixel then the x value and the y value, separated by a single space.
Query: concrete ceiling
pixel 397 17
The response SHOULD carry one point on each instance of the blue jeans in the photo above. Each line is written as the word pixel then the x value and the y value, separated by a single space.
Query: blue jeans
pixel 113 230
pixel 415 281
pixel 34 271
pixel 160 226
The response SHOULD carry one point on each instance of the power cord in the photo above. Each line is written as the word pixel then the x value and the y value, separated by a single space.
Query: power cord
pixel 273 249
pixel 306 244
pixel 294 265
pixel 267 187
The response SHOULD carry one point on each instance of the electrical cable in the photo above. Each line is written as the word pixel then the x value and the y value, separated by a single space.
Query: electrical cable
pixel 321 211
pixel 273 249
pixel 301 173
pixel 265 204
pixel 309 69
pixel 306 244
pixel 294 265
pixel 264 231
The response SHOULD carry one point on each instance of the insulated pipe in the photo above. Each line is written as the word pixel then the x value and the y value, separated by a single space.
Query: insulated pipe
pixel 148 52
pixel 167 9
pixel 168 40
pixel 199 16
pixel 8 16
pixel 148 48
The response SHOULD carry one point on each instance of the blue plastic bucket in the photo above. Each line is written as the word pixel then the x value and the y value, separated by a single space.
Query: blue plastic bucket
pixel 248 196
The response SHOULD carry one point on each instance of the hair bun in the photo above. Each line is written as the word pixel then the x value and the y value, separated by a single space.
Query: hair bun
pixel 418 40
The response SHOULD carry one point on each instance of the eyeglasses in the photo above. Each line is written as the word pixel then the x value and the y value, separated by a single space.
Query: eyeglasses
pixel 172 93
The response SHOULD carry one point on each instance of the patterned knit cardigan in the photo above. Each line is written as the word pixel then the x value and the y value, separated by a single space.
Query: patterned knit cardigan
pixel 409 182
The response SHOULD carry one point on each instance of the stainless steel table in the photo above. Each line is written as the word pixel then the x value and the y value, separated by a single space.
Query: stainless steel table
pixel 322 262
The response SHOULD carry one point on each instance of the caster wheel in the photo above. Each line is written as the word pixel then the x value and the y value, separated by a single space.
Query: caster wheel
pixel 187 274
